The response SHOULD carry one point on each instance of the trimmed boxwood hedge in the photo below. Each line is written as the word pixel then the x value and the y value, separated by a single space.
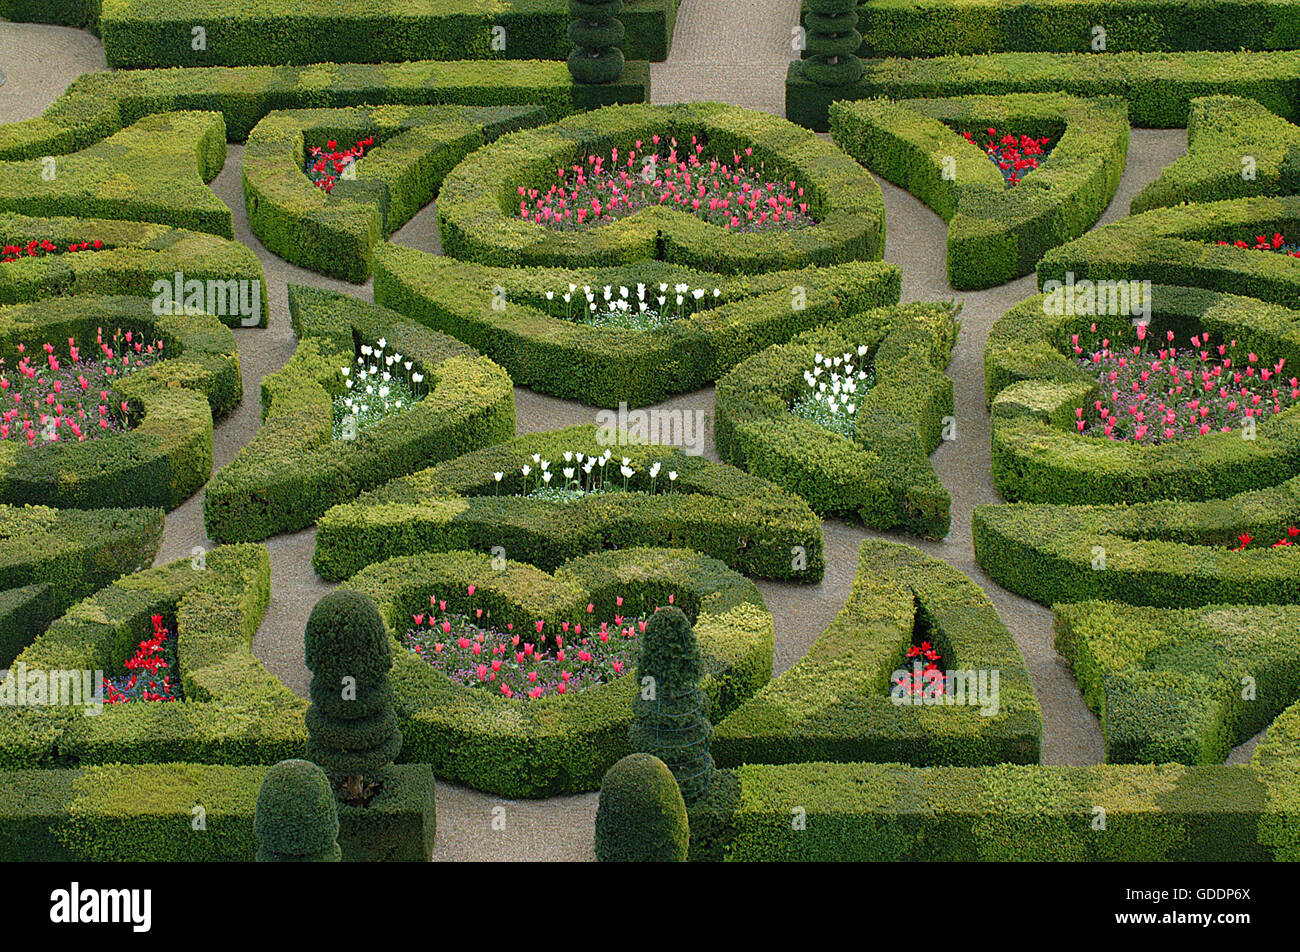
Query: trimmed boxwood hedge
pixel 1277 761
pixel 996 232
pixel 834 704
pixel 135 256
pixel 336 233
pixel 478 207
pixel 1168 684
pixel 97 105
pixel 234 710
pixel 1168 553
pixel 1034 387
pixel 1178 245
pixel 79 13
pixel 883 475
pixel 49 558
pixel 167 455
pixel 603 366
pixel 152 171
pixel 746 522
pixel 1227 139
pixel 294 470
pixel 559 743
pixel 121 813
pixel 157 32
pixel 1158 86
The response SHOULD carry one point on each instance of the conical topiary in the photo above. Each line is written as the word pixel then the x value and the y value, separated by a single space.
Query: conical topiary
pixel 670 721
pixel 597 35
pixel 641 817
pixel 297 818
pixel 833 40
pixel 352 727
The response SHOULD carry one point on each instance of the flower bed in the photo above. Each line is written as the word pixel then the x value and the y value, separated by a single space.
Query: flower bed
pixel 555 743
pixel 484 500
pixel 1015 156
pixel 152 673
pixel 39 249
pixel 380 383
pixel 325 168
pixel 650 308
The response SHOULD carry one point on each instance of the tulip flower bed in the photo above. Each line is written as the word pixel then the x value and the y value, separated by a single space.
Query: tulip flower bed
pixel 1290 537
pixel 833 402
pixel 324 168
pixel 1015 156
pixel 1277 243
pixel 152 673
pixel 380 383
pixel 615 307
pixel 585 474
pixel 40 249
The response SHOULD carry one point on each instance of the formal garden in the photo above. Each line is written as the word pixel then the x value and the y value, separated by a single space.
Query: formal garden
pixel 582 430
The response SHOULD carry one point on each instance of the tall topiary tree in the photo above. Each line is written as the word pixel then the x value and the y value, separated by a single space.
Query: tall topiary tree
pixel 297 817
pixel 641 817
pixel 597 35
pixel 832 42
pixel 670 721
pixel 351 725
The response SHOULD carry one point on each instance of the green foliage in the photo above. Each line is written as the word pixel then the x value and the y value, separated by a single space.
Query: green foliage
pixel 597 36
pixel 297 818
pixel 78 13
pixel 641 817
pixel 832 41
pixel 1277 760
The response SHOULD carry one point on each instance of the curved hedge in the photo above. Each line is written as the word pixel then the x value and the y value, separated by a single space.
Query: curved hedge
pixel 477 210
pixel 152 171
pixel 337 233
pixel 1277 761
pixel 605 366
pixel 49 558
pixel 1168 553
pixel 996 232
pixel 1184 685
pixel 558 743
pixel 1236 148
pixel 234 711
pixel 79 13
pixel 746 522
pixel 883 475
pixel 294 470
pixel 137 257
pixel 834 704
pixel 1034 388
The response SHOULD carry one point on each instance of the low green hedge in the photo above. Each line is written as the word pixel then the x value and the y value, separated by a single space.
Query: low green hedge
pixel 1158 86
pixel 604 367
pixel 79 13
pixel 234 711
pixel 186 812
pixel 1277 760
pixel 137 259
pixel 1184 685
pixel 1236 148
pixel 883 475
pixel 294 469
pixel 1004 813
pixel 167 455
pixel 49 558
pixel 1034 386
pixel 154 170
pixel 158 32
pixel 744 521
pixel 1178 246
pixel 996 232
pixel 835 703
pixel 1169 553
pixel 558 743
pixel 478 208
pixel 97 105
pixel 337 233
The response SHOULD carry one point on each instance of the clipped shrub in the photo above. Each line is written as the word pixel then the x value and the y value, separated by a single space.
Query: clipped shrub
pixel 832 42
pixel 597 34
pixel 297 819
pixel 641 816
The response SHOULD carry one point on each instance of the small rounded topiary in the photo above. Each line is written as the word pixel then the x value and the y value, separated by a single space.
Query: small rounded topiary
pixel 641 816
pixel 596 33
pixel 297 818
pixel 833 41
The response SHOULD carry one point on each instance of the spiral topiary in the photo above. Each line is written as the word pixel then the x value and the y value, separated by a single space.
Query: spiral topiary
pixel 352 727
pixel 670 721
pixel 597 34
pixel 297 819
pixel 832 42
pixel 641 816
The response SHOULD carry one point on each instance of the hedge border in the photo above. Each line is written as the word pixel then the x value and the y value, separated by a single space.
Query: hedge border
pixel 1034 389
pixel 558 744
pixel 883 476
pixel 995 232
pixel 475 208
pixel 293 470
pixel 605 367
pixel 743 521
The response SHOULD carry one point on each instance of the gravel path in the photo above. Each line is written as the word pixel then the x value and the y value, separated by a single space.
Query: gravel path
pixel 733 51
